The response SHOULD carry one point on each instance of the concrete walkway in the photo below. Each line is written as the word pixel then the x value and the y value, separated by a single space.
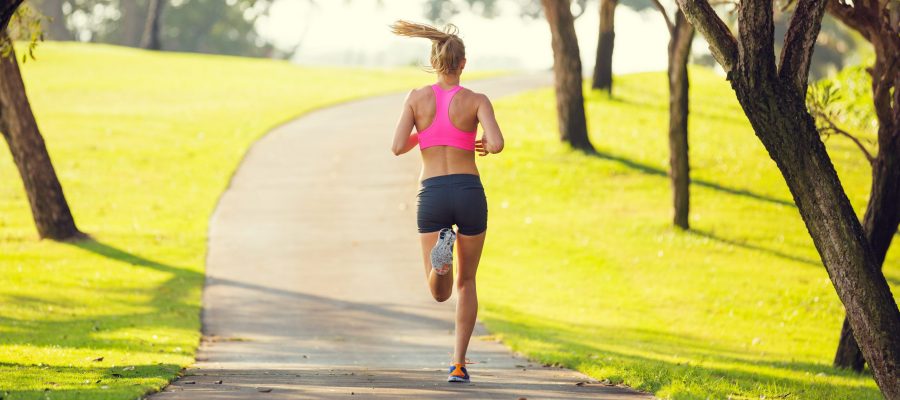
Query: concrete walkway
pixel 315 288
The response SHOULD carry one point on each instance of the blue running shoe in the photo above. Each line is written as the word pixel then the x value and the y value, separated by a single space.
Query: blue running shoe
pixel 458 373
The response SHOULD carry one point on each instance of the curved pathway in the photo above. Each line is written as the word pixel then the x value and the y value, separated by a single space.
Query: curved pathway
pixel 314 281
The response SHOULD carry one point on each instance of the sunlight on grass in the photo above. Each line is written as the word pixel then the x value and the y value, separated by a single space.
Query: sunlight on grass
pixel 583 268
pixel 144 143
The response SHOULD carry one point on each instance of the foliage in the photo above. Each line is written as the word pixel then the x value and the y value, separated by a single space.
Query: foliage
pixel 830 108
pixel 581 268
pixel 26 25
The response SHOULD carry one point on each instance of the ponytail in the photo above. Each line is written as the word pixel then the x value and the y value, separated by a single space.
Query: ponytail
pixel 447 49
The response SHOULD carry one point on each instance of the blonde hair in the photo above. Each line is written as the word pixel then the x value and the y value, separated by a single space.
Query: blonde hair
pixel 447 49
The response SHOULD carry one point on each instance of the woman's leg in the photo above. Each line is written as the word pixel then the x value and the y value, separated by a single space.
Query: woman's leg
pixel 441 285
pixel 467 303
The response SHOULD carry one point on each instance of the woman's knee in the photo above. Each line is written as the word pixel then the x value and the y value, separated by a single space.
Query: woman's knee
pixel 465 283
pixel 441 296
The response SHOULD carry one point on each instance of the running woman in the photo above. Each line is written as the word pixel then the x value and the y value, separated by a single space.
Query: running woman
pixel 446 117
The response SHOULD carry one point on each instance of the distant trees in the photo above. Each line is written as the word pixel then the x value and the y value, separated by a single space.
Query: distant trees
pixel 772 97
pixel 202 26
pixel 17 124
pixel 567 75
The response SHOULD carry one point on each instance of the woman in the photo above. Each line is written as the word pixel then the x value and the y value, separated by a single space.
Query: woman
pixel 446 117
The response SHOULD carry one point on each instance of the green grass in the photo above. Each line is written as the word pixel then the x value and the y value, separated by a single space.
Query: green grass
pixel 582 267
pixel 144 143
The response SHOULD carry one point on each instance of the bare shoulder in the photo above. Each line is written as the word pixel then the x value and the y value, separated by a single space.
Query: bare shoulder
pixel 419 94
pixel 475 98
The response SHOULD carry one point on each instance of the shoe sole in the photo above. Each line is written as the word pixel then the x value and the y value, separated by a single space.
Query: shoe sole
pixel 456 379
pixel 443 251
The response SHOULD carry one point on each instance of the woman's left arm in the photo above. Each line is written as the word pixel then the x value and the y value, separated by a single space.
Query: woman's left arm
pixel 404 139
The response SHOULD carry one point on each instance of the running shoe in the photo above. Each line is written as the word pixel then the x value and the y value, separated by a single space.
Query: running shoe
pixel 458 373
pixel 442 253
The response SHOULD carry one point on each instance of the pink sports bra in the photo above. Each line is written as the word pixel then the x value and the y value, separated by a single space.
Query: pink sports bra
pixel 441 132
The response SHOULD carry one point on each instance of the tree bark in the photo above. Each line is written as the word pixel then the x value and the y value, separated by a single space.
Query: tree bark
pixel 603 66
pixel 882 216
pixel 774 104
pixel 150 39
pixel 48 204
pixel 680 40
pixel 567 73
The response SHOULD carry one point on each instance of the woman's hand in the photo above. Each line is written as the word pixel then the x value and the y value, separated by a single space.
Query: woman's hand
pixel 480 147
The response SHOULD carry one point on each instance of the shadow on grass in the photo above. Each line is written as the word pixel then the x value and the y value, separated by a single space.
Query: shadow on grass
pixel 652 170
pixel 685 367
pixel 750 246
pixel 68 382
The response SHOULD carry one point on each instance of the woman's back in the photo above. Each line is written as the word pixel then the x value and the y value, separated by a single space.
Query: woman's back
pixel 462 114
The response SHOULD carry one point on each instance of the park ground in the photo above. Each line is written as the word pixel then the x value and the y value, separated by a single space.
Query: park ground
pixel 581 269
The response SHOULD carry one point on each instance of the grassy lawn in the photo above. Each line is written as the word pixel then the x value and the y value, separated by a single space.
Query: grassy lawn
pixel 143 143
pixel 582 266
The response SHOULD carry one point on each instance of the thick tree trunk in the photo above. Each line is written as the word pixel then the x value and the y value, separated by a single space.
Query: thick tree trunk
pixel 882 215
pixel 780 119
pixel 679 167
pixel 150 39
pixel 773 100
pixel 567 73
pixel 48 204
pixel 56 28
pixel 603 66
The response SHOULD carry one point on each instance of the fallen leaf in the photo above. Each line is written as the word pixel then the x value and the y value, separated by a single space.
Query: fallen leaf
pixel 98 359
pixel 189 382
pixel 218 382
pixel 130 368
pixel 264 389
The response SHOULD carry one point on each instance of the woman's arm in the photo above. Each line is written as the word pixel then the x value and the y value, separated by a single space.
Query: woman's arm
pixel 492 139
pixel 404 139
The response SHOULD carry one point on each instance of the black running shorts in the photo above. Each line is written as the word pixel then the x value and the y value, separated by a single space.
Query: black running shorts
pixel 452 199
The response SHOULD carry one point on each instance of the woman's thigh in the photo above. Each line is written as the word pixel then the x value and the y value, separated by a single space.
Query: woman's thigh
pixel 470 248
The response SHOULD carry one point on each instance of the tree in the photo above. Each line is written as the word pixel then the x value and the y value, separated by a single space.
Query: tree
pixel 681 35
pixel 567 75
pixel 772 97
pixel 605 43
pixel 880 26
pixel 48 204
pixel 150 39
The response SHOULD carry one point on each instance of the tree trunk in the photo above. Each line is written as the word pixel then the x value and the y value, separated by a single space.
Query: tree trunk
pixel 882 215
pixel 134 17
pixel 679 167
pixel 150 39
pixel 56 28
pixel 567 73
pixel 773 100
pixel 48 204
pixel 780 119
pixel 603 66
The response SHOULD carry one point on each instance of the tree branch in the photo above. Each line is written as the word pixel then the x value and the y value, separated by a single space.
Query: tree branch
pixel 722 44
pixel 799 42
pixel 848 15
pixel 662 10
pixel 756 40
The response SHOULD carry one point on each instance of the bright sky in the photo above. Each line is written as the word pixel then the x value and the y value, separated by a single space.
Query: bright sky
pixel 355 32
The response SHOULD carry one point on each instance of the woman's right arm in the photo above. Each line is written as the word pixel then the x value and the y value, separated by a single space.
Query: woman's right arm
pixel 404 139
pixel 491 138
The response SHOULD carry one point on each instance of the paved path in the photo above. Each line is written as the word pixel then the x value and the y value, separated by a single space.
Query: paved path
pixel 315 288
